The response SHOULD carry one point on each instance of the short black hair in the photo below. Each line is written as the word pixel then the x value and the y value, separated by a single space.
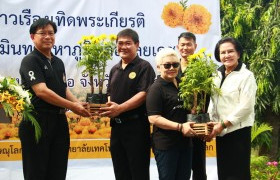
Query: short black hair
pixel 40 23
pixel 187 35
pixel 231 40
pixel 130 33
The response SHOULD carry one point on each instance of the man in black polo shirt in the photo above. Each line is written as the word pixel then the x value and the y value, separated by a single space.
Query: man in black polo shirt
pixel 130 135
pixel 43 74
pixel 186 47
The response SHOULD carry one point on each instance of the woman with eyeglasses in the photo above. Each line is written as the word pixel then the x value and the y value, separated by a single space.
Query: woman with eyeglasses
pixel 171 140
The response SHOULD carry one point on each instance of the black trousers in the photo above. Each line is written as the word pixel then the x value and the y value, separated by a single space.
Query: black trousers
pixel 199 159
pixel 130 149
pixel 47 159
pixel 233 155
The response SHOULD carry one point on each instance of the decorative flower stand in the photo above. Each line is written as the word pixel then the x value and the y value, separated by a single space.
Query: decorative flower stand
pixel 3 117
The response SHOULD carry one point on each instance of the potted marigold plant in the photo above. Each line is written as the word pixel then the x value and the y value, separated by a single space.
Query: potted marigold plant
pixel 96 51
pixel 16 101
pixel 196 84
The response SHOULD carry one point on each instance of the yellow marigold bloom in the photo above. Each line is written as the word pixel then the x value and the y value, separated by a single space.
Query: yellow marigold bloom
pixel 102 37
pixel 172 14
pixel 197 19
pixel 83 38
pixel 80 42
pixel 200 55
pixel 112 37
pixel 95 40
pixel 191 57
pixel 202 50
pixel 90 37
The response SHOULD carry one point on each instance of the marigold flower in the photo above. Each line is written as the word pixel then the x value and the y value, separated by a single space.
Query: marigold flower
pixel 202 50
pixel 102 37
pixel 192 56
pixel 172 14
pixel 197 19
pixel 80 42
pixel 84 38
pixel 112 37
pixel 95 40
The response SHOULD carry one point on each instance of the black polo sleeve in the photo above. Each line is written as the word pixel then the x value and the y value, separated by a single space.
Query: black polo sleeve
pixel 154 100
pixel 31 71
pixel 147 77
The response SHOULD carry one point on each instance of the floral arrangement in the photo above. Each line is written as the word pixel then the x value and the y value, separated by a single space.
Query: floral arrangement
pixel 96 50
pixel 16 101
pixel 195 18
pixel 263 169
pixel 197 81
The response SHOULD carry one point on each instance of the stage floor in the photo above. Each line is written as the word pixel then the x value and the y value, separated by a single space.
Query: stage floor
pixel 89 169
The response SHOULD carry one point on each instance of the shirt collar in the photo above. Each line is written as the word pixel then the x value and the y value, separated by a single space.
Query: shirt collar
pixel 133 62
pixel 42 55
pixel 222 68
pixel 166 83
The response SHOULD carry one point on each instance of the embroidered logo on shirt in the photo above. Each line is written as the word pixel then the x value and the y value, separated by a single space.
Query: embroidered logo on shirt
pixel 31 75
pixel 132 75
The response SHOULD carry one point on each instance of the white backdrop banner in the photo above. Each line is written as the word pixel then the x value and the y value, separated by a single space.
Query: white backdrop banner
pixel 158 23
pixel 153 20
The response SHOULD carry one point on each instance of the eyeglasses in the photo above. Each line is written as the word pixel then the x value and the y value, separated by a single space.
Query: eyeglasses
pixel 168 66
pixel 45 34
pixel 121 43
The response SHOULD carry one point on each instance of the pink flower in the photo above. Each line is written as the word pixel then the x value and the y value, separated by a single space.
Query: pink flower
pixel 274 163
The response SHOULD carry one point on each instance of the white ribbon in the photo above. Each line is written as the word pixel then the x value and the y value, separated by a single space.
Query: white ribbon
pixel 31 74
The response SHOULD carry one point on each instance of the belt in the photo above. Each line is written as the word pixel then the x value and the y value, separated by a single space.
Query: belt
pixel 123 120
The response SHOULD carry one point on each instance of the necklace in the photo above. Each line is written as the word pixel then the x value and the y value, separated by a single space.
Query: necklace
pixel 227 73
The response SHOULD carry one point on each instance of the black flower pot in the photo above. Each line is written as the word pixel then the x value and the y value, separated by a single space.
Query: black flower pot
pixel 198 118
pixel 96 98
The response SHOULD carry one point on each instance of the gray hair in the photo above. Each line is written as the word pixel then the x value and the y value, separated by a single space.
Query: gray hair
pixel 164 53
